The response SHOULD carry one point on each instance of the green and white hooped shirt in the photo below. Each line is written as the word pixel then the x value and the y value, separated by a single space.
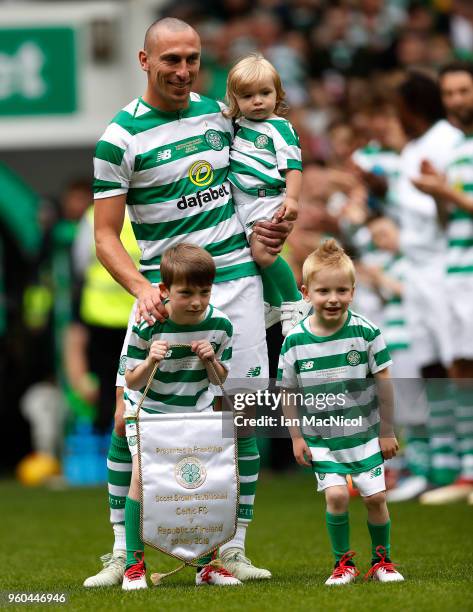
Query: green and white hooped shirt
pixel 395 329
pixel 181 383
pixel 260 153
pixel 460 222
pixel 173 167
pixel 378 159
pixel 334 370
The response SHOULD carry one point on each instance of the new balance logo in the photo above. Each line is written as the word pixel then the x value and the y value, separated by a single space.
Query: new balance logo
pixel 375 472
pixel 253 372
pixel 163 155
pixel 307 365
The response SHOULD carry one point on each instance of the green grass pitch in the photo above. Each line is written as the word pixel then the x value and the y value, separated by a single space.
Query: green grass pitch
pixel 51 541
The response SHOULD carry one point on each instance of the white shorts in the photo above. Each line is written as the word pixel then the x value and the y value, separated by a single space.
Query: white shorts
pixel 368 483
pixel 428 314
pixel 460 301
pixel 242 301
pixel 251 209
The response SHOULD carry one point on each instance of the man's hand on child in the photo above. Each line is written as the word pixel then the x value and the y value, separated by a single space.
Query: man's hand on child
pixel 203 350
pixel 272 235
pixel 158 350
pixel 301 451
pixel 389 447
pixel 149 306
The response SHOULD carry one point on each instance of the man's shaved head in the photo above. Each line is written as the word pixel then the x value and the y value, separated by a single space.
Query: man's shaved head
pixel 171 59
pixel 171 24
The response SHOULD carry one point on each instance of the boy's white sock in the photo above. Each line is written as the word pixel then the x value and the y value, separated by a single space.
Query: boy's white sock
pixel 239 538
pixel 120 539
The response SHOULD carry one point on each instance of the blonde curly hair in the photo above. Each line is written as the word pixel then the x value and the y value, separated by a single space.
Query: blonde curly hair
pixel 249 71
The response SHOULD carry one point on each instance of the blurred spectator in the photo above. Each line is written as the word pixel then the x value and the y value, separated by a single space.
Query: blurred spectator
pixel 341 62
pixel 76 198
pixel 378 162
pixel 47 311
pixel 412 50
pixel 374 24
pixel 431 143
pixel 314 220
pixel 94 336
pixel 342 143
pixel 420 17
pixel 20 238
pixel 461 28
pixel 330 41
pixel 440 50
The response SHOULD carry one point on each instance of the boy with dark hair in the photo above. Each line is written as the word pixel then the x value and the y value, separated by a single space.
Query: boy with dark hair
pixel 182 380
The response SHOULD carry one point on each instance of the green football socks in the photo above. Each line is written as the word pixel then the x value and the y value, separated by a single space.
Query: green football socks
pixel 248 469
pixel 338 528
pixel 380 536
pixel 134 542
pixel 279 284
pixel 119 477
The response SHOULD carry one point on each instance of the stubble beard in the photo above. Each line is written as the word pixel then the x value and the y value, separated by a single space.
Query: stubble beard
pixel 465 120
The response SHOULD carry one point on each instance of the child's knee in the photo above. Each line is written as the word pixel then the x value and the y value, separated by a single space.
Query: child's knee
pixel 337 499
pixel 375 501
pixel 119 424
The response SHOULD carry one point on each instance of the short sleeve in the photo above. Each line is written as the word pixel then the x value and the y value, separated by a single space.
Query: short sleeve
pixel 287 147
pixel 378 355
pixel 138 345
pixel 286 375
pixel 112 164
pixel 224 353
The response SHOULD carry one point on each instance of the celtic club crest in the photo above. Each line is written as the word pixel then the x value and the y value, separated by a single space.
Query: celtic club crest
pixel 190 472
pixel 353 358
pixel 214 140
pixel 262 141
pixel 122 365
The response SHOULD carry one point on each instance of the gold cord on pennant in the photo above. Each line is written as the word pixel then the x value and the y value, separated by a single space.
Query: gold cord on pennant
pixel 151 377
pixel 157 577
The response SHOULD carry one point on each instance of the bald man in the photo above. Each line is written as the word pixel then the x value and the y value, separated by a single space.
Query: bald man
pixel 165 156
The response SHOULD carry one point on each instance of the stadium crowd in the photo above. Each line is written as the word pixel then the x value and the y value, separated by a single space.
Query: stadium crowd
pixel 350 69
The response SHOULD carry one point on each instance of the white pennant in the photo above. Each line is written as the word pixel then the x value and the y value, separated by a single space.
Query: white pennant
pixel 189 481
